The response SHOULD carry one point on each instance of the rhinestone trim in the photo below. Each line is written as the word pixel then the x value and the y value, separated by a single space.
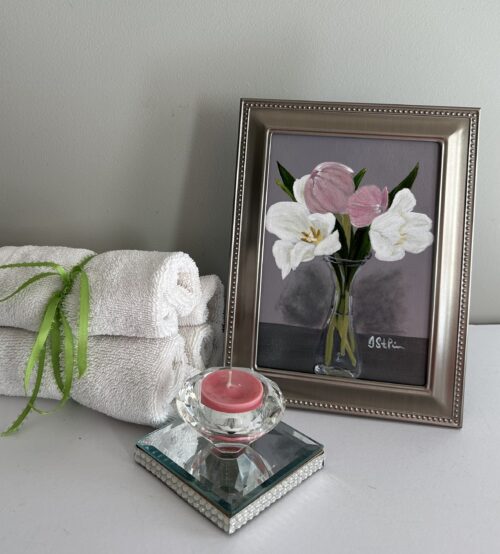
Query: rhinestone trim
pixel 206 508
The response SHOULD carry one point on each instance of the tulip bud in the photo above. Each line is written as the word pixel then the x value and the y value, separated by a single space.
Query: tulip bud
pixel 366 204
pixel 328 188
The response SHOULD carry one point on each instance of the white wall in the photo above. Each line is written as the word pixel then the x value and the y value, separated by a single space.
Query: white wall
pixel 118 119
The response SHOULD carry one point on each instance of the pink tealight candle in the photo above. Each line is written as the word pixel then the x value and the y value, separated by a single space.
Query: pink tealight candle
pixel 231 391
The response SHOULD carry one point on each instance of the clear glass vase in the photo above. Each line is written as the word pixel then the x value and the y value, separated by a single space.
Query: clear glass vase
pixel 338 353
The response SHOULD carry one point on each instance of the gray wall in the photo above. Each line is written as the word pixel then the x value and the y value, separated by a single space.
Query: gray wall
pixel 118 120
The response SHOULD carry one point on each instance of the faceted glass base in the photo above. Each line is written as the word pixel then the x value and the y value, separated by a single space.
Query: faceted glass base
pixel 230 473
pixel 229 488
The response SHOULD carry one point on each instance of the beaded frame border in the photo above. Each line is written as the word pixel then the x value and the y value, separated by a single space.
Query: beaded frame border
pixel 472 114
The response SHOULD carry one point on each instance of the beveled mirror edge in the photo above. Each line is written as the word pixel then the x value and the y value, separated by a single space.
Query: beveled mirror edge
pixel 424 405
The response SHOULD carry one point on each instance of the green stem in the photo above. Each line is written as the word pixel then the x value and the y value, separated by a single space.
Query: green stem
pixel 345 222
pixel 339 320
pixel 329 340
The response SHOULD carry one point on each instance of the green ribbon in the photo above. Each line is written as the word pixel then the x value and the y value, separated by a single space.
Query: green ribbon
pixel 56 328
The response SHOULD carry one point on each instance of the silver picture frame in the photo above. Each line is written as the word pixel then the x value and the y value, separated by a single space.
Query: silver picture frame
pixel 440 401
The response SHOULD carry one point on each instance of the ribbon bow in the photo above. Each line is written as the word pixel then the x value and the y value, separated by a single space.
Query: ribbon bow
pixel 55 327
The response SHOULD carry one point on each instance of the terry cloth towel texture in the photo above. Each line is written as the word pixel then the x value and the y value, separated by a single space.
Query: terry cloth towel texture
pixel 133 293
pixel 129 379
pixel 210 308
pixel 203 345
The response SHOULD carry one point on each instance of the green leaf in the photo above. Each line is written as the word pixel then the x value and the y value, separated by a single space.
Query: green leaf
pixel 338 273
pixel 284 189
pixel 343 239
pixel 288 180
pixel 358 178
pixel 406 183
pixel 361 245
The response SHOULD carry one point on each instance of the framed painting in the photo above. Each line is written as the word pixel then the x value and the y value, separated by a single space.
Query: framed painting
pixel 351 254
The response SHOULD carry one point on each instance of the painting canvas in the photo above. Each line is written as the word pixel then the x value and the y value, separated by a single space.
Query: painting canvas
pixel 348 256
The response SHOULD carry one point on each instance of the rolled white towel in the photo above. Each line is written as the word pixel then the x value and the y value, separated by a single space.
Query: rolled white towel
pixel 138 294
pixel 129 379
pixel 217 359
pixel 203 343
pixel 210 308
pixel 132 293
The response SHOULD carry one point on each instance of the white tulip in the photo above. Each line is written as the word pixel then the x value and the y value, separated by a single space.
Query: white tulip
pixel 298 189
pixel 399 230
pixel 302 235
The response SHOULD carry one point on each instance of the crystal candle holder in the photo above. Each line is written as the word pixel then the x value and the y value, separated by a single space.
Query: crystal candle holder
pixel 229 490
pixel 231 407
pixel 225 450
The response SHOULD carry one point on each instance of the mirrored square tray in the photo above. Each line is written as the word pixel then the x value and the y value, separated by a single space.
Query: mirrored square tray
pixel 289 456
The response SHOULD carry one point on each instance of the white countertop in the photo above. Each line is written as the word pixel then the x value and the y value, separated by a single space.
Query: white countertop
pixel 68 484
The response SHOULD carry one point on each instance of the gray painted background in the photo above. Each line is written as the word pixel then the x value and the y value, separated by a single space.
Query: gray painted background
pixel 118 120
pixel 391 298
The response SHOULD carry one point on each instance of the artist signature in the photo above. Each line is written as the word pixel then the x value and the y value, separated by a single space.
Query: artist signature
pixel 384 343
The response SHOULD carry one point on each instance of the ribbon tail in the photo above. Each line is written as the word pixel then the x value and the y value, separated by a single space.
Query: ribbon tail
pixel 55 350
pixel 83 324
pixel 68 367
pixel 41 338
pixel 69 360
pixel 31 403
pixel 59 268
pixel 28 283
pixel 55 325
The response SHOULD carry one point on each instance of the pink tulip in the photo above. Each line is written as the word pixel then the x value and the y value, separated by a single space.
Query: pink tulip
pixel 366 204
pixel 328 188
